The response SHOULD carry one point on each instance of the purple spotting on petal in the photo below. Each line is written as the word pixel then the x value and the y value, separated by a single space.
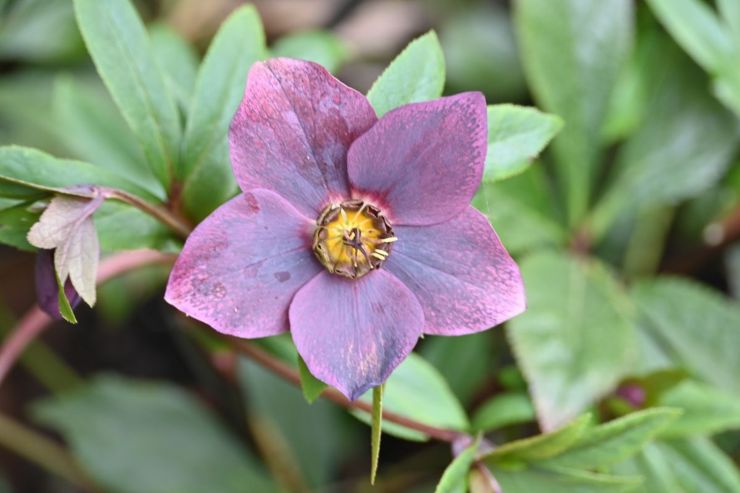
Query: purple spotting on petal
pixel 292 131
pixel 461 273
pixel 423 161
pixel 242 265
pixel 353 333
pixel 47 289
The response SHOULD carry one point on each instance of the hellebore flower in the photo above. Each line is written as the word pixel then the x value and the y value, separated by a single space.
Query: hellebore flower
pixel 354 233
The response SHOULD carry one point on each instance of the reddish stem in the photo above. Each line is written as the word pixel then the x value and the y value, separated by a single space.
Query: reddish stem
pixel 35 320
pixel 291 375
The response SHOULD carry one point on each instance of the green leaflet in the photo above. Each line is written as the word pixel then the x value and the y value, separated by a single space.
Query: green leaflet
pixel 417 74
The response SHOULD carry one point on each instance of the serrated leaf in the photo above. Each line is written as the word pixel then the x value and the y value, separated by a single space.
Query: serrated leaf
pixel 29 173
pixel 564 481
pixel 516 136
pixel 613 442
pixel 67 227
pixel 695 325
pixel 416 74
pixel 574 343
pixel 206 167
pixel 376 431
pixel 454 478
pixel 139 425
pixel 540 447
pixel 416 390
pixel 120 47
pixel 706 410
pixel 572 65
pixel 684 466
pixel 311 386
pixel 322 47
pixel 90 125
pixel 177 59
pixel 503 410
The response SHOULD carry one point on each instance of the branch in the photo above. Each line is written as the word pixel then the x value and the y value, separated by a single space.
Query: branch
pixel 35 320
pixel 161 214
pixel 288 373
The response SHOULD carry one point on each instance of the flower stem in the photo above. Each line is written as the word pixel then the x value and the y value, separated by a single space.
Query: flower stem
pixel 42 451
pixel 35 320
pixel 290 374
pixel 165 216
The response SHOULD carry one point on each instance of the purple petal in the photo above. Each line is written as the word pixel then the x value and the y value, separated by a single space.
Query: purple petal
pixel 47 289
pixel 460 272
pixel 292 131
pixel 241 266
pixel 423 161
pixel 353 333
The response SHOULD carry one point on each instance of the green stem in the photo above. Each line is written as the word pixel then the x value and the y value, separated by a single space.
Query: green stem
pixel 40 450
pixel 160 213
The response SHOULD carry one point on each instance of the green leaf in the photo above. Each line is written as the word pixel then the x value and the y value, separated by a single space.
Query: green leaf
pixel 454 479
pixel 684 466
pixel 90 125
pixel 29 173
pixel 376 431
pixel 503 410
pixel 730 10
pixel 67 227
pixel 120 48
pixel 446 353
pixel 522 211
pixel 206 169
pixel 706 410
pixel 322 47
pixel 574 343
pixel 675 309
pixel 416 390
pixel 540 447
pixel 15 222
pixel 310 447
pixel 65 309
pixel 135 436
pixel 516 136
pixel 311 386
pixel 696 27
pixel 687 136
pixel 123 227
pixel 417 74
pixel 613 442
pixel 565 481
pixel 572 66
pixel 177 59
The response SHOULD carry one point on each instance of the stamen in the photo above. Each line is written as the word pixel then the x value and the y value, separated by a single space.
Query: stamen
pixel 390 239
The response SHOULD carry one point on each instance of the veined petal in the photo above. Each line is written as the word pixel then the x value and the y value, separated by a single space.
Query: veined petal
pixel 353 333
pixel 423 161
pixel 292 131
pixel 242 265
pixel 460 272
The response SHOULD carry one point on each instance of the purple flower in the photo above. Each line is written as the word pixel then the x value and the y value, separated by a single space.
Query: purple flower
pixel 354 233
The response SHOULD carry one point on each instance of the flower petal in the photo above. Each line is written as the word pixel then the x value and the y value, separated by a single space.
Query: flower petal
pixel 460 272
pixel 292 131
pixel 353 333
pixel 423 161
pixel 242 265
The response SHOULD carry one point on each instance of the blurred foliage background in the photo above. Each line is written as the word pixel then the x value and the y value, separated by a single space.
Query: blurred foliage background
pixel 644 178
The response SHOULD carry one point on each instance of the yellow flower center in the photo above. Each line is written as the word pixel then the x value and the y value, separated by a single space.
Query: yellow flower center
pixel 352 238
